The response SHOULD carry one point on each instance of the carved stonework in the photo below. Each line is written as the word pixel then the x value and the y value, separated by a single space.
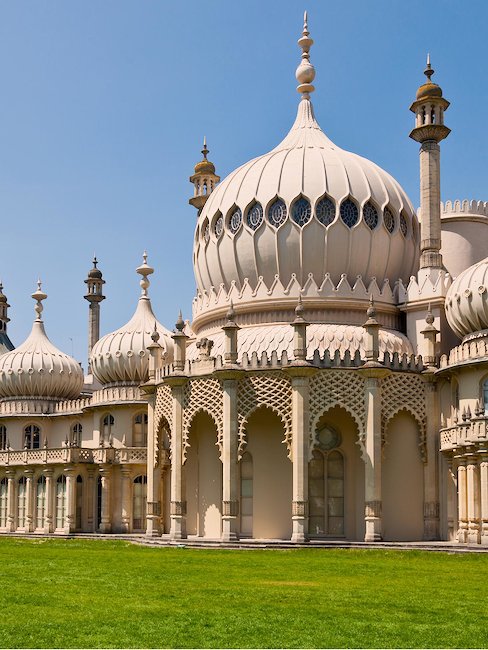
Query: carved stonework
pixel 177 508
pixel 372 509
pixel 431 509
pixel 299 508
pixel 202 395
pixel 154 508
pixel 230 508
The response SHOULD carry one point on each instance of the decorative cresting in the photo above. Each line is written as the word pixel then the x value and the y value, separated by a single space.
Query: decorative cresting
pixel 37 369
pixel 330 388
pixel 404 392
pixel 308 209
pixel 272 390
pixel 202 396
pixel 467 300
pixel 163 418
pixel 123 355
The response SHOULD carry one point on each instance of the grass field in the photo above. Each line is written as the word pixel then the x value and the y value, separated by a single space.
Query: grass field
pixel 75 593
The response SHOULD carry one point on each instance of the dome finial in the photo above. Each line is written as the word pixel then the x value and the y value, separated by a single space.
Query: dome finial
pixel 205 151
pixel 39 296
pixel 144 270
pixel 429 70
pixel 305 72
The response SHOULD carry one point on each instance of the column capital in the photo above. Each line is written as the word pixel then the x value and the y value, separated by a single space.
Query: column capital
pixel 178 508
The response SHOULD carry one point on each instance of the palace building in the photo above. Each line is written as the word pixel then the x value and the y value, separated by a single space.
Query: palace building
pixel 332 383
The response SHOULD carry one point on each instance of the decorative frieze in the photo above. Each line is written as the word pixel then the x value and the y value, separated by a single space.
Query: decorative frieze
pixel 177 508
pixel 299 508
pixel 230 508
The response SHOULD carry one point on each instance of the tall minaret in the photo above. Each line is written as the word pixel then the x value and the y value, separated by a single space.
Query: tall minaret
pixel 429 130
pixel 5 342
pixel 204 179
pixel 94 296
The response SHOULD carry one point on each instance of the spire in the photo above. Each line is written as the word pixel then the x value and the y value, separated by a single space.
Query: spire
pixel 429 70
pixel 5 342
pixel 145 270
pixel 94 286
pixel 39 296
pixel 204 179
pixel 205 151
pixel 305 72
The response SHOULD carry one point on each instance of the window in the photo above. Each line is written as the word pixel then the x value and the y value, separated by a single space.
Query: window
pixel 79 502
pixel 349 213
pixel 235 220
pixel 389 220
pixel 106 428
pixel 139 498
pixel 32 437
pixel 254 216
pixel 76 431
pixel 139 430
pixel 325 211
pixel 403 224
pixel 277 213
pixel 60 501
pixel 3 437
pixel 370 216
pixel 40 501
pixel 301 212
pixel 3 502
pixel 219 225
pixel 485 396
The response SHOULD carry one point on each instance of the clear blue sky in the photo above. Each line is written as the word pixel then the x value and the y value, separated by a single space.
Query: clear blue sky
pixel 104 104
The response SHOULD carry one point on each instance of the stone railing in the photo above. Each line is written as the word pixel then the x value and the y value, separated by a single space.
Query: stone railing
pixel 466 207
pixel 113 394
pixel 465 434
pixel 73 455
pixel 475 349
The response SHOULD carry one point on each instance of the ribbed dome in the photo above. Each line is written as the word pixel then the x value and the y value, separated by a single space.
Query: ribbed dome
pixel 37 368
pixel 123 355
pixel 429 89
pixel 306 207
pixel 467 300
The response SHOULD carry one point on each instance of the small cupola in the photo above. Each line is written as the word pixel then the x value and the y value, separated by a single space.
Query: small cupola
pixel 204 180
pixel 429 107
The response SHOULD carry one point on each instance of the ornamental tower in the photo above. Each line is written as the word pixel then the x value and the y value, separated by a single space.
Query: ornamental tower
pixel 204 179
pixel 94 296
pixel 5 342
pixel 429 107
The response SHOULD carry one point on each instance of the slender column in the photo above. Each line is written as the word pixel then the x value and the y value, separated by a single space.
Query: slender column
pixel 70 517
pixel 431 484
pixel 300 456
pixel 29 501
pixel 153 519
pixel 125 477
pixel 91 498
pixel 106 518
pixel 11 500
pixel 473 499
pixel 462 501
pixel 49 505
pixel 178 492
pixel 230 502
pixel 430 200
pixel 451 501
pixel 484 497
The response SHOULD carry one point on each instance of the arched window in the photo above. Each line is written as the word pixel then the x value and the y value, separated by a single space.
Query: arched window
pixel 21 502
pixel 246 495
pixel 60 501
pixel 40 501
pixel 106 428
pixel 79 502
pixel 32 437
pixel 325 211
pixel 301 211
pixel 485 396
pixel 277 213
pixel 3 437
pixel 139 430
pixel 3 502
pixel 370 215
pixel 139 498
pixel 254 215
pixel 76 431
pixel 349 213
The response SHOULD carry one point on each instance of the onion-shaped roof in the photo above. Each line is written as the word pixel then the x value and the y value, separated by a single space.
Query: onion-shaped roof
pixel 467 300
pixel 37 368
pixel 122 356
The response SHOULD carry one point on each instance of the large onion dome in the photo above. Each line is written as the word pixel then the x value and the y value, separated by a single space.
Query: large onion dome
pixel 37 368
pixel 467 300
pixel 122 356
pixel 306 209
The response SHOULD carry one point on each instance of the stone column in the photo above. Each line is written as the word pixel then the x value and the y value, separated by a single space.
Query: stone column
pixel 91 496
pixel 473 499
pixel 462 501
pixel 483 465
pixel 178 492
pixel 125 479
pixel 430 201
pixel 451 501
pixel 431 482
pixel 11 505
pixel 106 514
pixel 29 501
pixel 230 488
pixel 49 507
pixel 153 519
pixel 70 517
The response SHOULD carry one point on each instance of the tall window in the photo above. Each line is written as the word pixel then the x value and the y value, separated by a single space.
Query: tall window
pixel 3 502
pixel 32 437
pixel 485 395
pixel 60 501
pixel 246 494
pixel 107 424
pixel 139 430
pixel 40 501
pixel 3 437
pixel 76 431
pixel 139 503
pixel 21 503
pixel 79 502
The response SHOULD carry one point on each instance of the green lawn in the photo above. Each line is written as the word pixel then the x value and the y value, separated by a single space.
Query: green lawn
pixel 75 593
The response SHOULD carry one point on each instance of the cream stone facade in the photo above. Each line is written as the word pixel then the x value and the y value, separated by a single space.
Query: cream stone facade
pixel 332 383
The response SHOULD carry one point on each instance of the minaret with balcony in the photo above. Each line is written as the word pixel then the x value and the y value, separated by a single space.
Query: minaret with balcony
pixel 5 343
pixel 204 180
pixel 94 295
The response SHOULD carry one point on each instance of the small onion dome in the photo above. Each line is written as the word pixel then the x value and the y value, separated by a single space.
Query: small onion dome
pixel 37 368
pixel 429 88
pixel 205 166
pixel 467 300
pixel 122 356
pixel 95 273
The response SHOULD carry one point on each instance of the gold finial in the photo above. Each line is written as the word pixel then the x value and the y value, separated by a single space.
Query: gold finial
pixel 429 71
pixel 305 72
pixel 205 151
